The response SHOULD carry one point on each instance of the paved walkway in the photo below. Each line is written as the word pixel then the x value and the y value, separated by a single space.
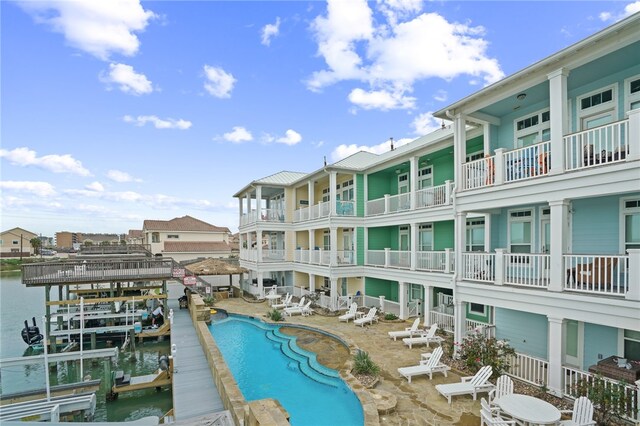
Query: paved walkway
pixel 194 391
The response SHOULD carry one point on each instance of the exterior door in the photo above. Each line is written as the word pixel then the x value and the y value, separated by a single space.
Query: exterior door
pixel 573 343
pixel 545 241
pixel 403 245
pixel 347 245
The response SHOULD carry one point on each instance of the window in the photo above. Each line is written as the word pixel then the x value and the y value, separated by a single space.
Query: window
pixel 475 156
pixel 404 240
pixel 533 129
pixel 425 179
pixel 425 237
pixel 631 223
pixel 326 240
pixel 477 308
pixel 155 237
pixel 597 108
pixel 15 242
pixel 475 235
pixel 520 231
pixel 632 345
pixel 346 190
pixel 173 236
pixel 632 92
pixel 326 195
pixel 403 183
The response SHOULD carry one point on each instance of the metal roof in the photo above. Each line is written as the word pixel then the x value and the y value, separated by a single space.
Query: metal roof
pixel 281 178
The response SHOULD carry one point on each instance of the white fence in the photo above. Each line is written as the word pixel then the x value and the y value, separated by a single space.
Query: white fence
pixel 399 259
pixel 478 173
pixel 375 258
pixel 527 269
pixel 479 266
pixel 528 369
pixel 600 145
pixel 528 162
pixel 597 274
pixel 435 196
pixel 375 207
pixel 436 261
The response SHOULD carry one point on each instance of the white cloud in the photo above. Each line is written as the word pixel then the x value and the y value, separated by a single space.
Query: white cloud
pixel 381 99
pixel 629 9
pixel 426 123
pixel 40 189
pixel 121 177
pixel 291 137
pixel 238 135
pixel 95 186
pixel 219 83
pixel 127 79
pixel 24 157
pixel 270 31
pixel 391 56
pixel 167 123
pixel 441 96
pixel 344 150
pixel 99 28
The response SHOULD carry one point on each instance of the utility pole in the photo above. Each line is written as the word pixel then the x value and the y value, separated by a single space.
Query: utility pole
pixel 21 247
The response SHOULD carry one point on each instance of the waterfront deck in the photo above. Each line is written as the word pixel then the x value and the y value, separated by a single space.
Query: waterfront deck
pixel 194 391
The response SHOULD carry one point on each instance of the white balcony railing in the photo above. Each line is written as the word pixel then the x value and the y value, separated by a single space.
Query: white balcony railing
pixel 375 258
pixel 478 266
pixel 301 215
pixel 445 321
pixel 320 210
pixel 399 259
pixel 528 369
pixel 265 215
pixel 399 203
pixel 345 208
pixel 527 269
pixel 597 274
pixel 478 173
pixel 269 255
pixel 528 162
pixel 433 197
pixel 600 145
pixel 346 257
pixel 375 207
pixel 435 261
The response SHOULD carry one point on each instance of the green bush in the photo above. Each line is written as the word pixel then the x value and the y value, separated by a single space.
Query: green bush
pixel 275 315
pixel 363 364
pixel 390 317
pixel 209 300
pixel 477 350
pixel 611 400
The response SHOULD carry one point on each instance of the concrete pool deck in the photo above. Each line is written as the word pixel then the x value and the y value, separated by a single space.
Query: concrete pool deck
pixel 418 402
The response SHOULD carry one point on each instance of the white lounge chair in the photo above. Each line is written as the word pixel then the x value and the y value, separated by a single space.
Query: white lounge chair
pixel 407 332
pixel 469 385
pixel 286 302
pixel 582 414
pixel 302 310
pixel 368 318
pixel 300 304
pixel 424 338
pixel 350 314
pixel 504 386
pixel 490 416
pixel 430 366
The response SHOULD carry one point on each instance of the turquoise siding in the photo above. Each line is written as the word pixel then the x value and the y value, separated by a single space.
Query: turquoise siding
pixel 360 245
pixel 475 144
pixel 381 183
pixel 599 339
pixel 443 235
pixel 381 238
pixel 526 332
pixel 376 287
pixel 359 195
pixel 601 239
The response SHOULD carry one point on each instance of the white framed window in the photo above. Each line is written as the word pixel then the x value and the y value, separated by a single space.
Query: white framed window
pixel 631 345
pixel 532 129
pixel 326 195
pixel 632 93
pixel 597 108
pixel 630 224
pixel 404 240
pixel 326 240
pixel 346 190
pixel 520 231
pixel 425 237
pixel 425 177
pixel 15 242
pixel 155 237
pixel 415 292
pixel 478 309
pixel 476 155
pixel 403 183
pixel 475 235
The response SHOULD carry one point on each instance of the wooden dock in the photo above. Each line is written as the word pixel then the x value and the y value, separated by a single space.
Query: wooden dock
pixel 194 391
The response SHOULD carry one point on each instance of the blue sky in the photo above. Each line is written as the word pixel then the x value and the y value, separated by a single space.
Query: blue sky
pixel 116 112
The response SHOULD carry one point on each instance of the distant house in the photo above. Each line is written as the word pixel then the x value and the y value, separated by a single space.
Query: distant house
pixel 15 241
pixel 135 236
pixel 186 238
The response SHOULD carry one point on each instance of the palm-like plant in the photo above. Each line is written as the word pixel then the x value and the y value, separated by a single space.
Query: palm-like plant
pixel 36 243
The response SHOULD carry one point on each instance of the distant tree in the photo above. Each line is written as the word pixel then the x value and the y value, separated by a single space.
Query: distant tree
pixel 36 243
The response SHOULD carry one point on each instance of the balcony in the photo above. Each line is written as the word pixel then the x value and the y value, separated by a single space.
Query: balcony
pixel 431 261
pixel 425 198
pixel 323 257
pixel 602 145
pixel 320 210
pixel 262 215
pixel 268 255
pixel 603 275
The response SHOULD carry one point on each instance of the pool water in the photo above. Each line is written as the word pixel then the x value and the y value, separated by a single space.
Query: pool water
pixel 268 364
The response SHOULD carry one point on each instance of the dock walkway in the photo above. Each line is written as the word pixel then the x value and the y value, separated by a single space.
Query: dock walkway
pixel 194 391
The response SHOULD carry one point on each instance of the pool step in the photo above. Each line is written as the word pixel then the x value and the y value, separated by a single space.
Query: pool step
pixel 311 356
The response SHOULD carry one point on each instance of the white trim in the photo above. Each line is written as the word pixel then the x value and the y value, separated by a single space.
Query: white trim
pixel 531 219
pixel 628 97
pixel 538 128
pixel 622 212
pixel 610 106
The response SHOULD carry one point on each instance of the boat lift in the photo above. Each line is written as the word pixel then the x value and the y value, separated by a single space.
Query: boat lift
pixel 51 409
pixel 122 382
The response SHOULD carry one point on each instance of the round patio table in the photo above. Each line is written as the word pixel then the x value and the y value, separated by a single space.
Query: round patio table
pixel 272 298
pixel 529 409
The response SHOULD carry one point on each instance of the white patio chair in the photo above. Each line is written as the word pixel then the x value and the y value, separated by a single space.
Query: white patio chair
pixel 471 385
pixel 350 314
pixel 582 413
pixel 286 302
pixel 368 318
pixel 430 366
pixel 302 310
pixel 504 386
pixel 407 332
pixel 490 416
pixel 424 338
pixel 299 305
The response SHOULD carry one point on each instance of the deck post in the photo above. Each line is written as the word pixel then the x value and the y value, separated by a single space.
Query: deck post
pixel 93 340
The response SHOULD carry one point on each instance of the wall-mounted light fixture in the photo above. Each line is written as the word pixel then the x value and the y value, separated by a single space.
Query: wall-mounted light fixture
pixel 521 96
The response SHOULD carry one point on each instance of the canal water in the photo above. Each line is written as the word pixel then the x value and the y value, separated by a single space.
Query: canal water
pixel 17 303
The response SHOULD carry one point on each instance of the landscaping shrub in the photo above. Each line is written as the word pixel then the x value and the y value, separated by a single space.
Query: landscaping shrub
pixel 611 400
pixel 275 315
pixel 363 364
pixel 390 317
pixel 477 350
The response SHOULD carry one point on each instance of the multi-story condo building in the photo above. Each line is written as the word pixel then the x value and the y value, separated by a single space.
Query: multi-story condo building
pixel 522 217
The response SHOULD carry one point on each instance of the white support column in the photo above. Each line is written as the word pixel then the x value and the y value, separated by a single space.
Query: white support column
pixel 487 232
pixel 634 135
pixel 248 199
pixel 258 245
pixel 366 244
pixel 498 167
pixel 559 243
pixel 427 303
pixel 311 188
pixel 413 181
pixel 461 240
pixel 486 133
pixel 260 284
pixel 387 256
pixel 366 194
pixel 259 203
pixel 333 177
pixel 559 117
pixel 312 241
pixel 402 299
pixel 240 205
pixel 634 275
pixel 333 246
pixel 459 146
pixel 459 315
pixel 447 258
pixel 555 346
pixel 414 246
pixel 499 266
pixel 334 293
pixel 312 283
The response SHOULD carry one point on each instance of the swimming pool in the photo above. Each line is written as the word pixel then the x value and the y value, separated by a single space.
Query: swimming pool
pixel 268 364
